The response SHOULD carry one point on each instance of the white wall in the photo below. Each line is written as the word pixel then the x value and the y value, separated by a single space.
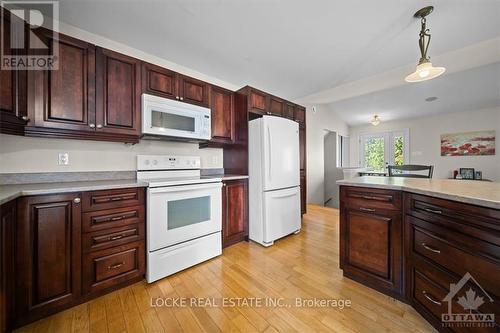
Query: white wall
pixel 316 123
pixel 22 154
pixel 425 140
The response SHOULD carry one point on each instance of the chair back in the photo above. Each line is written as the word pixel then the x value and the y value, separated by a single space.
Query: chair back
pixel 405 171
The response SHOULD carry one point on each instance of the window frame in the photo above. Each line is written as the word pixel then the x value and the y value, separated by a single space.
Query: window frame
pixel 388 137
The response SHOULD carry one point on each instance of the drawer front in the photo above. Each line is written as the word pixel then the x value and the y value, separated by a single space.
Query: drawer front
pixel 107 238
pixel 107 268
pixel 479 222
pixel 429 290
pixel 98 200
pixel 111 218
pixel 450 251
pixel 369 198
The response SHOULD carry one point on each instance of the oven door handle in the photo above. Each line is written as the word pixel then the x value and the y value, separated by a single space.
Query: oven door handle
pixel 183 188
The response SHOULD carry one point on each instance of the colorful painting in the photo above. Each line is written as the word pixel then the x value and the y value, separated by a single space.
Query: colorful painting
pixel 468 144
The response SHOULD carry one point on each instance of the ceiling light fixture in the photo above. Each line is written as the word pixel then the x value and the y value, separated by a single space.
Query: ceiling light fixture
pixel 425 71
pixel 375 120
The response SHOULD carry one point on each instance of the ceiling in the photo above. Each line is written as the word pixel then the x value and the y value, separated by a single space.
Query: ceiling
pixel 351 54
pixel 292 48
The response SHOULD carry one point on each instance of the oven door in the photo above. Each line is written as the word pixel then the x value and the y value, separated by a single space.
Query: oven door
pixel 180 213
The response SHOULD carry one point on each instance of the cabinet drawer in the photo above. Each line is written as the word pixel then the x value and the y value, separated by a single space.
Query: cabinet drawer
pixel 472 220
pixel 456 253
pixel 98 200
pixel 104 219
pixel 369 198
pixel 106 268
pixel 104 239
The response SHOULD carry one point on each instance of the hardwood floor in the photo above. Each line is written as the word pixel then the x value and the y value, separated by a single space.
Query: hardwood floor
pixel 304 266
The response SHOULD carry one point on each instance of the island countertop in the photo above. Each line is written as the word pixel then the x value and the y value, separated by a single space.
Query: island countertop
pixel 480 193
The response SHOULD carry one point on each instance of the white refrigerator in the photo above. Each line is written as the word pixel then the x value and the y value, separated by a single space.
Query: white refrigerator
pixel 274 180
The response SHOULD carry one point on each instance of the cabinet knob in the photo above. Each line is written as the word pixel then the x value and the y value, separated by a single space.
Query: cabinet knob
pixel 182 98
pixel 77 200
pixel 25 118
pixel 99 126
pixel 177 97
pixel 92 125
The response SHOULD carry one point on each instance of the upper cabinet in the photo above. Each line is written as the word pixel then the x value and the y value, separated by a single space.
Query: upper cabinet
pixel 223 122
pixel 118 93
pixel 64 98
pixel 289 111
pixel 159 81
pixel 169 84
pixel 300 115
pixel 258 101
pixel 276 106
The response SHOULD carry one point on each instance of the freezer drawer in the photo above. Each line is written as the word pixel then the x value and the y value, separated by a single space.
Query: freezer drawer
pixel 281 213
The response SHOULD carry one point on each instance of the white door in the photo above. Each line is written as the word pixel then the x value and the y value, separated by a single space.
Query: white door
pixel 280 153
pixel 180 213
pixel 379 150
pixel 281 213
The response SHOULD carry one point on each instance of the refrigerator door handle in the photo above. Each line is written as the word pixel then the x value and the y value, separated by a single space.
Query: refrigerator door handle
pixel 269 145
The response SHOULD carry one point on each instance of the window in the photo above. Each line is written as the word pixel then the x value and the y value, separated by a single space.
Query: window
pixel 378 150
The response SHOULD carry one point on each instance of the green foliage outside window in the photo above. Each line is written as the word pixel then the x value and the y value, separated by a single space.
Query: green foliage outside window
pixel 374 153
pixel 398 151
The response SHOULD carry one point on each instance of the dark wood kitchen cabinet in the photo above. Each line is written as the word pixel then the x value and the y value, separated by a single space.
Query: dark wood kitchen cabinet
pixel 118 93
pixel 276 106
pixel 289 110
pixel 163 82
pixel 303 193
pixel 234 211
pixel 300 115
pixel 371 238
pixel 64 99
pixel 48 255
pixel 223 121
pixel 7 276
pixel 13 108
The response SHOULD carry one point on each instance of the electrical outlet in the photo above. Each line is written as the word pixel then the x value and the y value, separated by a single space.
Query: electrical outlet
pixel 63 159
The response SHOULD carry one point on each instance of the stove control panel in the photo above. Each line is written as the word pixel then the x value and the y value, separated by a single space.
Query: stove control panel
pixel 167 162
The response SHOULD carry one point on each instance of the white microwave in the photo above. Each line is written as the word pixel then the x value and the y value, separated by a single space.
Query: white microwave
pixel 169 118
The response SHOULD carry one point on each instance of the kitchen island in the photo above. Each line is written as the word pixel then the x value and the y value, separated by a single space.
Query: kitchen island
pixel 412 238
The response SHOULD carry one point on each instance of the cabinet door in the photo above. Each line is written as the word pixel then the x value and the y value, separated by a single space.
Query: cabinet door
pixel 302 148
pixel 48 250
pixel 193 91
pixel 223 121
pixel 12 82
pixel 65 98
pixel 303 194
pixel 159 81
pixel 258 101
pixel 276 106
pixel 300 115
pixel 235 211
pixel 7 223
pixel 289 111
pixel 371 246
pixel 118 92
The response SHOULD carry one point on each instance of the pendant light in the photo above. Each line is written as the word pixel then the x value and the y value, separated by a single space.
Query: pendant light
pixel 375 120
pixel 425 71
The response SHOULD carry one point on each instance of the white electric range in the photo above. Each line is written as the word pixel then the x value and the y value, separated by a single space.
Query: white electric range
pixel 184 213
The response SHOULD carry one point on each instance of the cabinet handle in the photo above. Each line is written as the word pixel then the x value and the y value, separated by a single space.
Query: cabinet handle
pixel 111 238
pixel 99 126
pixel 363 209
pixel 116 198
pixel 77 200
pixel 430 248
pixel 430 298
pixel 117 218
pixel 115 266
pixel 92 125
pixel 435 211
pixel 25 118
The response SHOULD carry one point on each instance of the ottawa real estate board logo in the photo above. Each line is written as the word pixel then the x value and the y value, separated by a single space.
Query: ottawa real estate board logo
pixel 464 300
pixel 28 32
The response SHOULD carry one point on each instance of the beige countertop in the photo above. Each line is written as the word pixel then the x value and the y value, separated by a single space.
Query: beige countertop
pixel 481 193
pixel 9 192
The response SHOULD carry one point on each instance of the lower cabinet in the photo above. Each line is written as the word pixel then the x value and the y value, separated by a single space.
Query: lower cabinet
pixel 303 193
pixel 371 243
pixel 68 251
pixel 7 278
pixel 234 211
pixel 48 255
